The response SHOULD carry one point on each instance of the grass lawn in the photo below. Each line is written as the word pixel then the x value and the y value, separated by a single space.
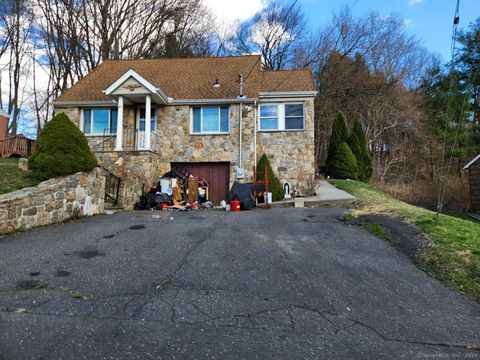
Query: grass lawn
pixel 454 254
pixel 12 178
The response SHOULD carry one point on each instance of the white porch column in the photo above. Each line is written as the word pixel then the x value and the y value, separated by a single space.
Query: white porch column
pixel 119 139
pixel 148 118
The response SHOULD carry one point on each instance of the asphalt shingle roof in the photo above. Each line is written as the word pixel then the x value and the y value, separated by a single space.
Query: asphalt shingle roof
pixel 192 78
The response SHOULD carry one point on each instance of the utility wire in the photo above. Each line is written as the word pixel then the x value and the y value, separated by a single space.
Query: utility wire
pixel 444 171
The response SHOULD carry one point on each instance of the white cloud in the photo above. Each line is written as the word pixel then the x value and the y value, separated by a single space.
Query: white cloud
pixel 230 11
pixel 407 22
pixel 414 2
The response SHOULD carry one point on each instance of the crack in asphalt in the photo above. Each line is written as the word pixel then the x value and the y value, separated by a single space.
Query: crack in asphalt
pixel 475 347
pixel 184 260
pixel 250 317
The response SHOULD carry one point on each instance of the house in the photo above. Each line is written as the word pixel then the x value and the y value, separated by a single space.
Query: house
pixel 215 116
pixel 473 168
pixel 13 145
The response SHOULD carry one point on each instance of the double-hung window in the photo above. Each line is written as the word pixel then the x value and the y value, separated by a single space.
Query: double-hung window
pixel 269 117
pixel 100 121
pixel 210 120
pixel 278 117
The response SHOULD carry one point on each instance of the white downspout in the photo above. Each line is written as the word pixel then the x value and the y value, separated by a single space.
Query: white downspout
pixel 240 124
pixel 240 141
pixel 255 134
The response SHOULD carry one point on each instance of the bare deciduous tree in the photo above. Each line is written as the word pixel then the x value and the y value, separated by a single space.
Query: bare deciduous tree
pixel 78 35
pixel 274 33
pixel 15 21
pixel 382 41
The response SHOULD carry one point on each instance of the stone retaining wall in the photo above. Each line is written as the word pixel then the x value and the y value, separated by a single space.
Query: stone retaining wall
pixel 53 201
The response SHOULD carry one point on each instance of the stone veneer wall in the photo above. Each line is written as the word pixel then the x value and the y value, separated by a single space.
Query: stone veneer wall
pixel 53 201
pixel 291 153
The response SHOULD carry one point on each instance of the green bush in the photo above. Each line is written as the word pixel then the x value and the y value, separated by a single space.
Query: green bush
pixel 358 145
pixel 339 134
pixel 61 149
pixel 344 165
pixel 274 185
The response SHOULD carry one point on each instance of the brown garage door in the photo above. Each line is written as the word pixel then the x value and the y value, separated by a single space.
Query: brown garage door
pixel 217 174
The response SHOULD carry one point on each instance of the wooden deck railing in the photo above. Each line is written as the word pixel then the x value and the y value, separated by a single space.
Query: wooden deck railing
pixel 16 146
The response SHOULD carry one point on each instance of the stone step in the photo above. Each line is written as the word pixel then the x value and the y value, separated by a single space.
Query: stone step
pixel 110 208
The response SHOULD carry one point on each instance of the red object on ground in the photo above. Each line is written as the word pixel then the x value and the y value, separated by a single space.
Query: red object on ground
pixel 164 206
pixel 235 205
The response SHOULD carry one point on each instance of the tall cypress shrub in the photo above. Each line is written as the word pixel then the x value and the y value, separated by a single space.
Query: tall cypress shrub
pixel 274 185
pixel 339 134
pixel 344 163
pixel 358 145
pixel 61 149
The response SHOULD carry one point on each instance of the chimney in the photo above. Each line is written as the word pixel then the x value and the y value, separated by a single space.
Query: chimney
pixel 4 117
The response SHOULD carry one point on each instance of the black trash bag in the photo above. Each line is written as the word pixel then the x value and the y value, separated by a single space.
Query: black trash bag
pixel 143 203
pixel 244 193
pixel 152 202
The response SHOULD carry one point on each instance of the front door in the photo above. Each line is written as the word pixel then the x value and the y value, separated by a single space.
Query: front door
pixel 140 127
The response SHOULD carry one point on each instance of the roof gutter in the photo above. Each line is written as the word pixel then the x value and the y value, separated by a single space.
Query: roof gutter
pixel 167 101
pixel 287 94
pixel 84 103
pixel 170 101
pixel 211 101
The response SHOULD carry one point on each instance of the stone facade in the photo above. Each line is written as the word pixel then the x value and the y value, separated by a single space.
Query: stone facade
pixel 53 201
pixel 291 153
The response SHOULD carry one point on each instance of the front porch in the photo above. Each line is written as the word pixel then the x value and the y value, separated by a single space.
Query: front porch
pixel 132 124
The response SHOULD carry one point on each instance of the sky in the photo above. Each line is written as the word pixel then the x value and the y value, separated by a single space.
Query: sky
pixel 429 20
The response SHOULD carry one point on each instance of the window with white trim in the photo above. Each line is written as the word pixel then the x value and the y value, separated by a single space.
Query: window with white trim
pixel 99 121
pixel 210 120
pixel 285 116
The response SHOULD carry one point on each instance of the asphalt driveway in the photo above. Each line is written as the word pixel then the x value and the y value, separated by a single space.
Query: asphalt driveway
pixel 264 284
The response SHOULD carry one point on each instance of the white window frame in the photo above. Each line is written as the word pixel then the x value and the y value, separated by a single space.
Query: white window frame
pixel 153 115
pixel 281 116
pixel 82 120
pixel 201 120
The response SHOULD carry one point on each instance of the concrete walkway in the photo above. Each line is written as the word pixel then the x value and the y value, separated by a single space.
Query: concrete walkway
pixel 326 194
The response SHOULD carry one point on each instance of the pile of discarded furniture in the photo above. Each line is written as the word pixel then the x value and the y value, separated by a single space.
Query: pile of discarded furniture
pixel 181 190
pixel 178 189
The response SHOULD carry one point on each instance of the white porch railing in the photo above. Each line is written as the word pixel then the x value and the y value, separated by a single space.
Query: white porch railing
pixel 133 140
